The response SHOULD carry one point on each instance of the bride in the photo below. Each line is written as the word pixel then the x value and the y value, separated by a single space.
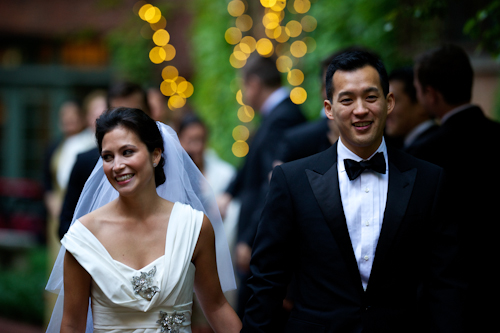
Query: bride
pixel 141 239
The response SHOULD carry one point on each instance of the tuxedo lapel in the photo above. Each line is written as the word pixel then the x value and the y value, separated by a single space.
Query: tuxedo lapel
pixel 398 197
pixel 327 193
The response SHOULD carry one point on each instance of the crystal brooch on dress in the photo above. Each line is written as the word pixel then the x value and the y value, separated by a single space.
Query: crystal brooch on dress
pixel 143 284
pixel 170 323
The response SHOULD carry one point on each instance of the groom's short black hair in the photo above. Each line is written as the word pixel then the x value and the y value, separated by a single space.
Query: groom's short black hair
pixel 352 60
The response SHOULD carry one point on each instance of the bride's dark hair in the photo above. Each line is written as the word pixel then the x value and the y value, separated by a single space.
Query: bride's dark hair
pixel 139 123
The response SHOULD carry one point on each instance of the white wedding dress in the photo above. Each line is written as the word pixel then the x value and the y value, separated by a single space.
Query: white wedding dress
pixel 167 281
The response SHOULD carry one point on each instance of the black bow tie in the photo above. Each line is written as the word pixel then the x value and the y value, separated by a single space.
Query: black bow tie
pixel 354 169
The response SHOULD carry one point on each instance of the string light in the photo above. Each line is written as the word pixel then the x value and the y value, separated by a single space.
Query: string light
pixel 177 88
pixel 286 40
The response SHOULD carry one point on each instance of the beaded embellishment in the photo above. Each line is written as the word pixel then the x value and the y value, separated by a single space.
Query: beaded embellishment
pixel 143 284
pixel 170 323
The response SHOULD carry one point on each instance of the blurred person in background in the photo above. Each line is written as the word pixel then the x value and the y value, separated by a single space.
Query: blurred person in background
pixel 263 91
pixel 119 94
pixel 59 161
pixel 464 145
pixel 71 123
pixel 193 136
pixel 312 137
pixel 409 123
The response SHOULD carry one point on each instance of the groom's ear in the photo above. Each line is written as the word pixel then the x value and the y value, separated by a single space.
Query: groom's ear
pixel 328 109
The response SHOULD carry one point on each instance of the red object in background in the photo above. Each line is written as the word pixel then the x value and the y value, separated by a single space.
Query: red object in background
pixel 21 188
pixel 21 205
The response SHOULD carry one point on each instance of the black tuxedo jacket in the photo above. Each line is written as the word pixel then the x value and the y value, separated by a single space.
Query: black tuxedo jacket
pixel 303 239
pixel 304 140
pixel 466 146
pixel 251 180
pixel 421 139
pixel 84 164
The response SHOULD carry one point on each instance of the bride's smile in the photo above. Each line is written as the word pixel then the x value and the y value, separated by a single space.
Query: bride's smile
pixel 127 163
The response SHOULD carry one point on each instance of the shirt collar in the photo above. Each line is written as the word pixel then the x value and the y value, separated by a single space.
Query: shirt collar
pixel 343 152
pixel 454 112
pixel 419 129
pixel 276 97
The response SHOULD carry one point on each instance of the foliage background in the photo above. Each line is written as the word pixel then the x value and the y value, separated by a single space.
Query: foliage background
pixel 396 30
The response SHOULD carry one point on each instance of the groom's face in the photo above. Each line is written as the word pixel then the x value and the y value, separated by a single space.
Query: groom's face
pixel 359 109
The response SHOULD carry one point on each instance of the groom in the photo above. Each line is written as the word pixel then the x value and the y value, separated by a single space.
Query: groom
pixel 363 246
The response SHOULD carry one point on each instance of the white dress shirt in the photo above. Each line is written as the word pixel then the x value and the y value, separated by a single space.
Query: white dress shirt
pixel 363 201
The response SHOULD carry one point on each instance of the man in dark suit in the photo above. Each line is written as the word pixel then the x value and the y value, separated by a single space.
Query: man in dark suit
pixel 313 137
pixel 363 244
pixel 409 123
pixel 119 94
pixel 262 91
pixel 465 144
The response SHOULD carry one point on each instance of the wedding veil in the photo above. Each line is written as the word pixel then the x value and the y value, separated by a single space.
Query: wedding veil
pixel 184 183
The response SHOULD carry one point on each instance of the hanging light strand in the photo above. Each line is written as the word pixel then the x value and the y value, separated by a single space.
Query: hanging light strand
pixel 175 87
pixel 286 40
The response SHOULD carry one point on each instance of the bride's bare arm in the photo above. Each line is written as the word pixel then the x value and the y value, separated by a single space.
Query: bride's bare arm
pixel 76 296
pixel 219 313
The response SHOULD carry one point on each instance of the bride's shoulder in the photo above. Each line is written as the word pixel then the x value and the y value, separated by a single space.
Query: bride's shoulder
pixel 94 220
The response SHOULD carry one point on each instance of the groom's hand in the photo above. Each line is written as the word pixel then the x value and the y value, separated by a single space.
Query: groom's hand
pixel 243 255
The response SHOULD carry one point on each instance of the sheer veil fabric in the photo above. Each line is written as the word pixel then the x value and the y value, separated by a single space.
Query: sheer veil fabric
pixel 184 183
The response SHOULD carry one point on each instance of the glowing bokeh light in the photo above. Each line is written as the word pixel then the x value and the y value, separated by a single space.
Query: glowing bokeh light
pixel 235 62
pixel 168 87
pixel 279 5
pixel 246 113
pixel 268 3
pixel 152 15
pixel 241 133
pixel 271 21
pixel 240 55
pixel 157 55
pixel 161 37
pixel 169 73
pixel 239 97
pixel 244 22
pixel 161 24
pixel 185 89
pixel 284 64
pixel 240 148
pixel 169 52
pixel 233 35
pixel 298 95
pixel 302 6
pixel 143 10
pixel 245 48
pixel 309 23
pixel 281 34
pixel 176 102
pixel 236 8
pixel 294 28
pixel 295 77
pixel 248 41
pixel 264 47
pixel 298 49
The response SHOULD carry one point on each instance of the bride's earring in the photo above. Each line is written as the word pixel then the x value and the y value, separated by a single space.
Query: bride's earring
pixel 154 165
